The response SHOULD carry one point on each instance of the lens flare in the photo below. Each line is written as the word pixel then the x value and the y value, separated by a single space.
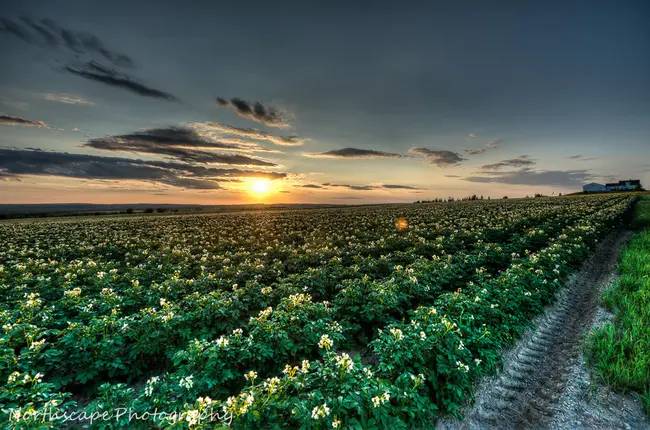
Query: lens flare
pixel 401 224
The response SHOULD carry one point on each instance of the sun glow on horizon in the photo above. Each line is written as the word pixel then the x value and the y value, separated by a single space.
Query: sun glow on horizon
pixel 260 187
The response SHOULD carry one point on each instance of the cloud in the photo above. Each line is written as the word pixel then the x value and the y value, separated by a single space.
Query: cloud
pixel 490 145
pixel 48 33
pixel 557 178
pixel 348 198
pixel 452 176
pixel 17 162
pixel 494 143
pixel 66 98
pixel 437 158
pixel 521 161
pixel 16 120
pixel 76 129
pixel 580 157
pixel 100 73
pixel 14 104
pixel 250 133
pixel 360 187
pixel 257 111
pixel 174 142
pixel 472 135
pixel 401 187
pixel 355 153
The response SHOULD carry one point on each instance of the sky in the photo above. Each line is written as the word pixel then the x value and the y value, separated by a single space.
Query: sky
pixel 319 102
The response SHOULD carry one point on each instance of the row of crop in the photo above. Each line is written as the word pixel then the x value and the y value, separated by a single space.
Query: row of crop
pixel 426 366
pixel 150 266
pixel 171 323
pixel 283 329
pixel 113 346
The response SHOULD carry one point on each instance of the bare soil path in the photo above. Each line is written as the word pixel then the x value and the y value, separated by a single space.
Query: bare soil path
pixel 544 383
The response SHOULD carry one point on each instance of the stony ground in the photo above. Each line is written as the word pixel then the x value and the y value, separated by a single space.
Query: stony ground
pixel 544 382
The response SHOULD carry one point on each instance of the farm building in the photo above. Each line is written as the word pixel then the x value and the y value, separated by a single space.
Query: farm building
pixel 594 188
pixel 629 185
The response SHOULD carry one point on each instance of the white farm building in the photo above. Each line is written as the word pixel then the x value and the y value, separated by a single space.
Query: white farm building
pixel 629 185
pixel 594 188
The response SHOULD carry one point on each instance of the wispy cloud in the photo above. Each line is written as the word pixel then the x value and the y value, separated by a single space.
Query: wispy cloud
pixel 100 73
pixel 16 120
pixel 558 178
pixel 326 185
pixel 249 133
pixel 521 161
pixel 175 142
pixel 490 145
pixel 14 104
pixel 355 153
pixel 67 98
pixel 452 176
pixel 16 163
pixel 49 34
pixel 439 158
pixel 580 157
pixel 400 187
pixel 494 143
pixel 267 114
pixel 472 135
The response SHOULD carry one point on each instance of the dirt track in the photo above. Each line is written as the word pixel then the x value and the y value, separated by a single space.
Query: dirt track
pixel 544 383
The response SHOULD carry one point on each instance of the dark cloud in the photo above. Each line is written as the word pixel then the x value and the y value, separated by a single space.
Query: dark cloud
pixel 401 187
pixel 250 133
pixel 175 142
pixel 355 153
pixel 49 33
pixel 100 73
pixel 17 162
pixel 257 111
pixel 494 143
pixel 16 120
pixel 311 186
pixel 522 161
pixel 558 178
pixel 15 29
pixel 475 151
pixel 440 158
pixel 580 157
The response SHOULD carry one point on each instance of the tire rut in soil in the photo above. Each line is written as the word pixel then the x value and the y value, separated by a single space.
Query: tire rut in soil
pixel 526 392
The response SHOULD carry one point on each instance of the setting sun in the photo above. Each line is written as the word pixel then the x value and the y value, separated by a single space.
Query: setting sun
pixel 260 186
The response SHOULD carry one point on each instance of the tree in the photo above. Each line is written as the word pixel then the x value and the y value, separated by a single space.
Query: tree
pixel 505 197
pixel 129 211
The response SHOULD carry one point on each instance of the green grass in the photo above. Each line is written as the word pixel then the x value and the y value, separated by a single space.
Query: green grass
pixel 620 351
